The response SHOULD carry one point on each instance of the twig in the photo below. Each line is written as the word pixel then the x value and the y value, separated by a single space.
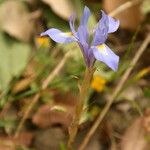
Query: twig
pixel 44 86
pixel 5 108
pixel 123 7
pixel 115 93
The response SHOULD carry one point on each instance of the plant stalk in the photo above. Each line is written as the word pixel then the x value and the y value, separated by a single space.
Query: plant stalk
pixel 84 90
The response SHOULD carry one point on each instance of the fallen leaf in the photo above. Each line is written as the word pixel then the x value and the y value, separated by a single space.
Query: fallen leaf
pixel 48 116
pixel 10 143
pixel 15 20
pixel 22 84
pixel 6 145
pixel 147 121
pixel 13 59
pixel 63 8
pixel 25 138
pixel 49 139
pixel 134 137
pixel 126 22
pixel 30 69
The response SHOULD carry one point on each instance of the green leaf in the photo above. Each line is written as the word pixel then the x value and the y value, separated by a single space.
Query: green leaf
pixel 146 6
pixel 147 92
pixel 13 59
pixel 1 1
pixel 62 146
pixel 7 123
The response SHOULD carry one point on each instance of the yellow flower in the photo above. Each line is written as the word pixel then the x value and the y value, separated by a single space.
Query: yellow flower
pixel 98 83
pixel 143 72
pixel 42 41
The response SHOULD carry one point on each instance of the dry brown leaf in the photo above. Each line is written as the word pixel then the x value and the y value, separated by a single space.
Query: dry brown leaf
pixel 22 84
pixel 10 143
pixel 46 117
pixel 15 20
pixel 25 138
pixel 6 145
pixel 60 112
pixel 147 120
pixel 49 139
pixel 30 69
pixel 134 137
pixel 63 8
pixel 130 18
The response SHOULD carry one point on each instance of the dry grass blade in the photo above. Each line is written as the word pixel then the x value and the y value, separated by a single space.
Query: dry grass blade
pixel 115 93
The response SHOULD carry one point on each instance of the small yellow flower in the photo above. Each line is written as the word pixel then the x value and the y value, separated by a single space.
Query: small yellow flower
pixel 98 83
pixel 42 41
pixel 143 72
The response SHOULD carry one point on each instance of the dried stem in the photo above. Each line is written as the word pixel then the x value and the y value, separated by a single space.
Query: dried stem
pixel 44 86
pixel 115 93
pixel 5 108
pixel 84 88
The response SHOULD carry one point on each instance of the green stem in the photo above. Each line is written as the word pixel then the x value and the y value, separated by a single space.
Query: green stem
pixel 84 88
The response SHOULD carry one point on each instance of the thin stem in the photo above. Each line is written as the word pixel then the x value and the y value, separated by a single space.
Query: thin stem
pixel 45 84
pixel 115 93
pixel 84 88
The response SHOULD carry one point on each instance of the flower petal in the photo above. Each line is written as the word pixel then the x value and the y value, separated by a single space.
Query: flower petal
pixel 85 16
pixel 101 31
pixel 71 22
pixel 113 24
pixel 59 36
pixel 83 35
pixel 83 42
pixel 105 54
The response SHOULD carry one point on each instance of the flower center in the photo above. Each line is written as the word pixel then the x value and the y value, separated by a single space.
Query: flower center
pixel 66 34
pixel 102 49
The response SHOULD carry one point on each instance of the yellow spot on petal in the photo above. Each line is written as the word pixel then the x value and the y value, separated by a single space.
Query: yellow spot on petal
pixel 98 83
pixel 69 33
pixel 42 41
pixel 102 46
pixel 66 34
pixel 102 49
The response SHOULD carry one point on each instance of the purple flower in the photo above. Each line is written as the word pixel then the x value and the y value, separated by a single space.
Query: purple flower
pixel 97 49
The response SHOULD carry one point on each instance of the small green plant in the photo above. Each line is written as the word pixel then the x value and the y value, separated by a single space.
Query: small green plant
pixel 92 51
